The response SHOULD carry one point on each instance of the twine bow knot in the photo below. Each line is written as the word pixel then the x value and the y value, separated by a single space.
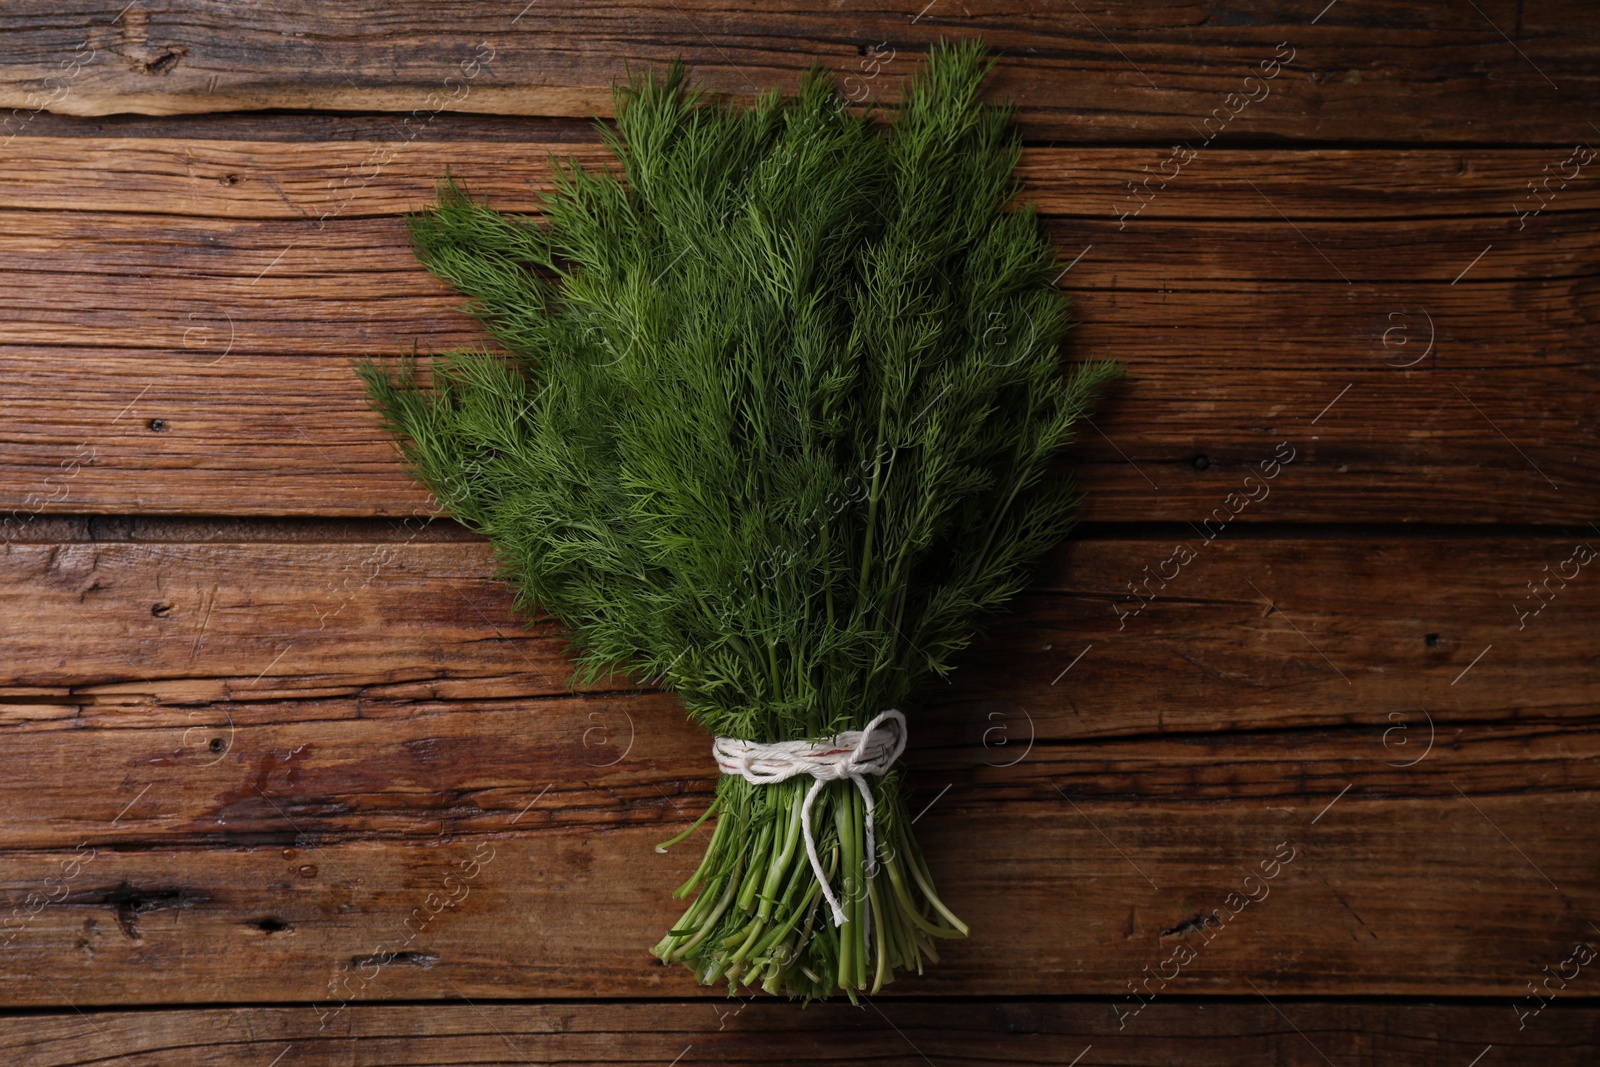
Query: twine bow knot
pixel 853 754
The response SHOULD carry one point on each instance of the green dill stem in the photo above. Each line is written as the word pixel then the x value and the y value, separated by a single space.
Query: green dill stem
pixel 827 589
pixel 712 853
pixel 796 913
pixel 863 600
pixel 774 677
pixel 907 908
pixel 755 875
pixel 802 881
pixel 716 912
pixel 744 938
pixel 854 889
pixel 692 828
pixel 739 935
pixel 686 926
pixel 772 664
pixel 881 928
pixel 827 575
pixel 925 884
pixel 846 932
pixel 780 866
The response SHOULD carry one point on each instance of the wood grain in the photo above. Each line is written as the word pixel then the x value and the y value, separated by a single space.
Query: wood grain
pixel 1110 72
pixel 1385 895
pixel 904 1031
pixel 279 750
pixel 1242 634
pixel 220 287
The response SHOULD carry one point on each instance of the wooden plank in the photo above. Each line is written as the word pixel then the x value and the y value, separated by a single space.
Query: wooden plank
pixel 902 1031
pixel 1383 896
pixel 208 774
pixel 138 618
pixel 1461 333
pixel 1399 72
pixel 223 781
pixel 243 176
pixel 311 126
pixel 272 634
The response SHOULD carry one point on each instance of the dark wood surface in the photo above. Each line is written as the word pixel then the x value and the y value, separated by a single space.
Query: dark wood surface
pixel 1214 1033
pixel 256 709
pixel 1490 71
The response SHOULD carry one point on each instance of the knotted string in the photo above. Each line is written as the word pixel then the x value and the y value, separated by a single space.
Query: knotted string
pixel 853 754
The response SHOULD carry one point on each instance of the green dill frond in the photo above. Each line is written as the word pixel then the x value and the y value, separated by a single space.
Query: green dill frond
pixel 779 400
pixel 775 421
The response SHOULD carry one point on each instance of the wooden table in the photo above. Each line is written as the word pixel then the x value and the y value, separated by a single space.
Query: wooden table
pixel 1288 768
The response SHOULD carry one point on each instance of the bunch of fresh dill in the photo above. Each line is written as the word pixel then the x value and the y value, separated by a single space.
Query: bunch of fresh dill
pixel 774 425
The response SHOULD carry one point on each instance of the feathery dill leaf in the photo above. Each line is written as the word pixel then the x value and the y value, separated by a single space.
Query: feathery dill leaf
pixel 774 424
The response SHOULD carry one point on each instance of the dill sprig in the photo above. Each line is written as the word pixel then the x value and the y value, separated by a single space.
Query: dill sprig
pixel 774 425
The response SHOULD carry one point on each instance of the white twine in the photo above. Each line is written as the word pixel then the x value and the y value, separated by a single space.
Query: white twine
pixel 853 754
